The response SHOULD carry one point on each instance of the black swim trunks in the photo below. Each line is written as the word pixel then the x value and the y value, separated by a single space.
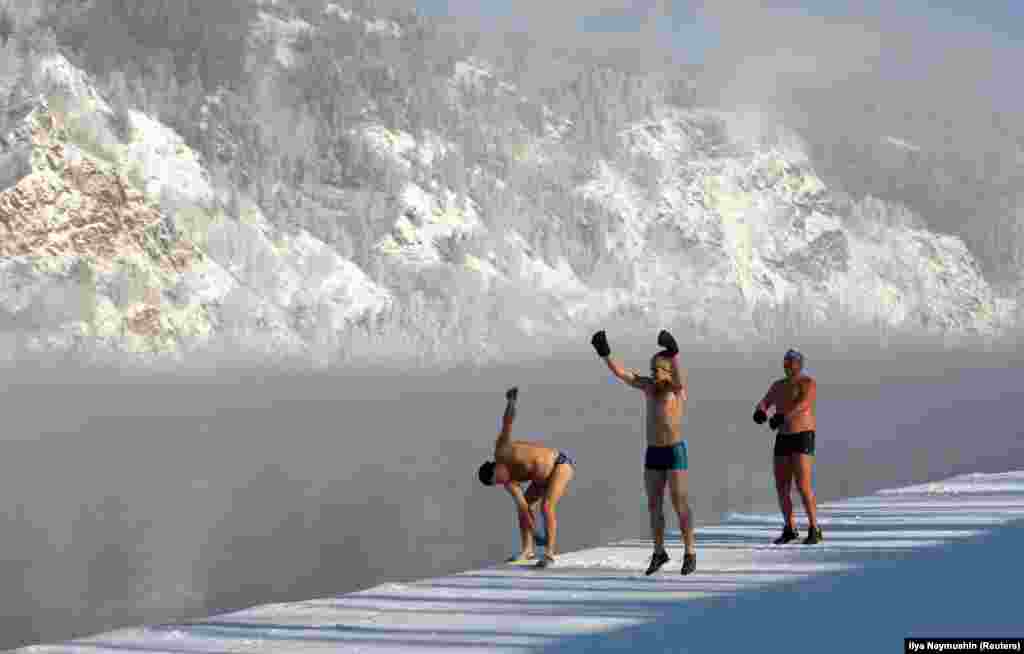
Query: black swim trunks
pixel 563 458
pixel 668 457
pixel 798 443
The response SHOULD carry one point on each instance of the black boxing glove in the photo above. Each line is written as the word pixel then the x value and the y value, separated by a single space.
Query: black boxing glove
pixel 666 341
pixel 600 343
pixel 760 416
pixel 776 421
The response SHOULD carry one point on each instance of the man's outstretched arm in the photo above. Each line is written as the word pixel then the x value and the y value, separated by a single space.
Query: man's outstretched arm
pixel 506 420
pixel 600 343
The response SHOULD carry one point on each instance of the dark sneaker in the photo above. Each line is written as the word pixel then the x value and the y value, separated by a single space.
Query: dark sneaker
pixel 689 564
pixel 788 535
pixel 546 562
pixel 814 536
pixel 657 560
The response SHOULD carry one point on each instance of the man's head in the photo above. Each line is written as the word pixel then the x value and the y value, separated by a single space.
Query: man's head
pixel 491 473
pixel 793 363
pixel 661 371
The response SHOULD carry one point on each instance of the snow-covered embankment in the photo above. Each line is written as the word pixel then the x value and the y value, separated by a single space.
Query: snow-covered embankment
pixel 938 559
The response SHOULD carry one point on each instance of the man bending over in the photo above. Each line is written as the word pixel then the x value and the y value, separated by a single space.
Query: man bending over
pixel 548 471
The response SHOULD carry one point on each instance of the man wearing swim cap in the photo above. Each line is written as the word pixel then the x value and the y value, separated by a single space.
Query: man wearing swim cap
pixel 794 400
pixel 548 471
pixel 665 462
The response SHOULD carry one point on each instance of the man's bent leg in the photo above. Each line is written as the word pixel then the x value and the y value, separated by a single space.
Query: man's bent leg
pixel 556 487
pixel 783 483
pixel 802 465
pixel 655 481
pixel 534 494
pixel 678 481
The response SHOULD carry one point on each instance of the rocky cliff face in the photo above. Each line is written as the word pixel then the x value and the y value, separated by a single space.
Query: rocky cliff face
pixel 119 237
pixel 699 224
pixel 90 254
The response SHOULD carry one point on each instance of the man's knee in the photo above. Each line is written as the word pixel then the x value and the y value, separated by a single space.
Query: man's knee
pixel 681 501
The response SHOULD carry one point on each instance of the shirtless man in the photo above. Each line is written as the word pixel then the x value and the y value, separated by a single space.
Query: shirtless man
pixel 665 462
pixel 794 400
pixel 548 471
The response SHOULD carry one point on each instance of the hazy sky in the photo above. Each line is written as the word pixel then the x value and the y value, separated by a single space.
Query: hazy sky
pixel 953 49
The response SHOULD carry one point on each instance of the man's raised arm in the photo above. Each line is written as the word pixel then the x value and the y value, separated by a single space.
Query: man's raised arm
pixel 600 343
pixel 666 341
pixel 506 420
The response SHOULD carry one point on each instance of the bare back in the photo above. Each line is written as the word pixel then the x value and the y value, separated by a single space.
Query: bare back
pixel 527 460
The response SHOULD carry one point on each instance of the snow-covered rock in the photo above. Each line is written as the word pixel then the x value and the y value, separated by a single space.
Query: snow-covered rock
pixel 282 34
pixel 87 256
pixel 704 218
pixel 168 165
pixel 57 75
pixel 426 223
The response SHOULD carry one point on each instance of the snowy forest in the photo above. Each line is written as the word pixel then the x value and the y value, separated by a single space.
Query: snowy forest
pixel 526 126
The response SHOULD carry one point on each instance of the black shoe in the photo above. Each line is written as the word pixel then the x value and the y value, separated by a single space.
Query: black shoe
pixel 689 564
pixel 657 560
pixel 814 536
pixel 787 536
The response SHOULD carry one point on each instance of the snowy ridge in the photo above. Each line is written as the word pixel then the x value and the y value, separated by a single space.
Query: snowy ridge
pixel 935 559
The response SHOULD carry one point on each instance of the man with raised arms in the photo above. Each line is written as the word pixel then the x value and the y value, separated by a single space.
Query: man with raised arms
pixel 666 462
pixel 549 472
pixel 793 398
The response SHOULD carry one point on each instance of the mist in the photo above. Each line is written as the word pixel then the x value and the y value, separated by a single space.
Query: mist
pixel 134 497
pixel 137 496
pixel 909 102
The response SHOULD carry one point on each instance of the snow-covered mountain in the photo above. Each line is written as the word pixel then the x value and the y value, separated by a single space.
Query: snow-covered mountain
pixel 125 243
pixel 701 220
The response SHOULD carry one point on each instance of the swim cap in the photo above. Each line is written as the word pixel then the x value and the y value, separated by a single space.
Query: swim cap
pixel 794 355
pixel 486 473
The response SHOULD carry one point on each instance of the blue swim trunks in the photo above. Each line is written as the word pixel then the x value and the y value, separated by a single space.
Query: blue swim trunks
pixel 670 457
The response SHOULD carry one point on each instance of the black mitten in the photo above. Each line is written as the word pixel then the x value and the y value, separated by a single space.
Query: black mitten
pixel 600 343
pixel 666 341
